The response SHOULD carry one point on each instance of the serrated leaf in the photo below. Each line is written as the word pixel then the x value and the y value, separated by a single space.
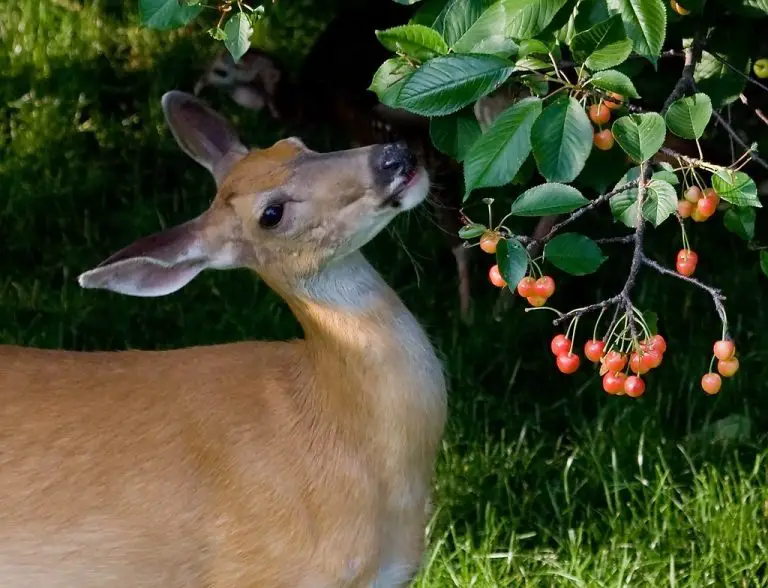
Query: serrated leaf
pixel 611 80
pixel 389 79
pixel 415 41
pixel 589 13
pixel 667 176
pixel 457 16
pixel 521 19
pixel 689 117
pixel 166 14
pixel 486 36
pixel 640 135
pixel 741 221
pixel 496 157
pixel 736 187
pixel 512 261
pixel 238 30
pixel 455 134
pixel 602 46
pixel 764 262
pixel 548 199
pixel 561 140
pixel 660 202
pixel 646 24
pixel 446 84
pixel 718 81
pixel 472 230
pixel 574 254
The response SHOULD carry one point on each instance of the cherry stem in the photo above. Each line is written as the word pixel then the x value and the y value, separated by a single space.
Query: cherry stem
pixel 531 308
pixel 597 323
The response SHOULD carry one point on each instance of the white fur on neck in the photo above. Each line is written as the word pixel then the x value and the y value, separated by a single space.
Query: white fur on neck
pixel 350 283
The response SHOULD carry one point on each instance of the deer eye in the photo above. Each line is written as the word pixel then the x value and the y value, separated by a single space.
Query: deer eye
pixel 271 216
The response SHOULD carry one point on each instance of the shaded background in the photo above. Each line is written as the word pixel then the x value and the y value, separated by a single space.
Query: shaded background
pixel 544 479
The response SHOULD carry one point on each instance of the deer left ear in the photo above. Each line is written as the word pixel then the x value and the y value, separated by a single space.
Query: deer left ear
pixel 203 134
pixel 156 265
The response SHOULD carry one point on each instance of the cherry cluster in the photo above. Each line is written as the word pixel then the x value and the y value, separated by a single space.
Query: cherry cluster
pixel 600 114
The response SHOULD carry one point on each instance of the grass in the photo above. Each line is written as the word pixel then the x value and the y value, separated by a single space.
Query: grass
pixel 543 480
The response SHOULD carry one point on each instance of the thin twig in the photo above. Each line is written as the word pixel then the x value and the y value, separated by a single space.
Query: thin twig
pixel 716 295
pixel 584 209
pixel 616 240
pixel 743 144
pixel 759 113
pixel 738 71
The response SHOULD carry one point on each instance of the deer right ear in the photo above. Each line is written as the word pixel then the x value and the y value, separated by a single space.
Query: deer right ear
pixel 203 134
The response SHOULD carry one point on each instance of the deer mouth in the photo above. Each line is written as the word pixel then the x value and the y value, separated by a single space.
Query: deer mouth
pixel 411 182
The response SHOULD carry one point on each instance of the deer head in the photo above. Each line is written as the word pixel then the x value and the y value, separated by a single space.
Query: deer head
pixel 284 211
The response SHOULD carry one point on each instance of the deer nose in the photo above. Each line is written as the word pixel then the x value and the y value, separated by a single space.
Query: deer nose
pixel 393 160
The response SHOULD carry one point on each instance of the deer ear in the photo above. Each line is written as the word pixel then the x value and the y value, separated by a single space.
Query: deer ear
pixel 153 266
pixel 203 134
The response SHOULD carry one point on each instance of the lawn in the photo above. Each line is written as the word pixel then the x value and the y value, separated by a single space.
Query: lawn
pixel 543 480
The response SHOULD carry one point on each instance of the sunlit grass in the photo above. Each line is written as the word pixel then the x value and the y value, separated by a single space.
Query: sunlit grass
pixel 543 480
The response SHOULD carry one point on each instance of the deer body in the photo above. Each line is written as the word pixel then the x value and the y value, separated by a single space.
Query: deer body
pixel 305 463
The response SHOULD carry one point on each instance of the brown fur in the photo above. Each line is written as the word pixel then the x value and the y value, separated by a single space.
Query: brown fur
pixel 286 464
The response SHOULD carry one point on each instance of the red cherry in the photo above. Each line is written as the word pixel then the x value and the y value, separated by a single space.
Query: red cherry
pixel 711 383
pixel 489 241
pixel 634 386
pixel 526 287
pixel 614 361
pixel 684 208
pixel 560 344
pixel 686 262
pixel 693 194
pixel 536 301
pixel 616 101
pixel 711 194
pixel 651 359
pixel 658 343
pixel 724 349
pixel 728 367
pixel 545 286
pixel 637 364
pixel 603 140
pixel 707 206
pixel 599 113
pixel 568 362
pixel 593 350
pixel 613 382
pixel 494 275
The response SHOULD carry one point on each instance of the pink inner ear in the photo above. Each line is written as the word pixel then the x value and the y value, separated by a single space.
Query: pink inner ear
pixel 142 277
pixel 168 247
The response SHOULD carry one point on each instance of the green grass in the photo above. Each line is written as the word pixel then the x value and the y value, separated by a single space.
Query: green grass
pixel 543 480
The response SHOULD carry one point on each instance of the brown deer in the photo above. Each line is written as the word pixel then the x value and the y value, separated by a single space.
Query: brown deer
pixel 296 464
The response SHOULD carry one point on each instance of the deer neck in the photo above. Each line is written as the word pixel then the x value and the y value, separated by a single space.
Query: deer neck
pixel 373 363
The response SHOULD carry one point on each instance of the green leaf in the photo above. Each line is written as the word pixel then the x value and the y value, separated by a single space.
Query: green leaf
pixel 498 154
pixel 486 36
pixel 427 13
pixel 472 230
pixel 667 176
pixel 446 84
pixel 660 202
pixel 238 30
pixel 718 81
pixel 646 24
pixel 561 140
pixel 574 254
pixel 217 33
pixel 640 135
pixel 166 14
pixel 415 41
pixel 389 79
pixel 764 262
pixel 603 46
pixel 736 187
pixel 589 13
pixel 611 80
pixel 457 16
pixel 741 221
pixel 689 117
pixel 455 134
pixel 520 19
pixel 512 261
pixel 548 199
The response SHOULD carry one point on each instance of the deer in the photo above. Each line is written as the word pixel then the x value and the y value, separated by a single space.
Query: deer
pixel 284 464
